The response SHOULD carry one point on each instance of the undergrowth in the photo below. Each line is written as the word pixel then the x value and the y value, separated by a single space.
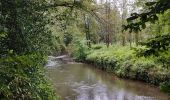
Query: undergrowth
pixel 124 63
pixel 22 78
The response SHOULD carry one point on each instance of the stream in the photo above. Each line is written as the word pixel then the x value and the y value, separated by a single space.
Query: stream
pixel 77 81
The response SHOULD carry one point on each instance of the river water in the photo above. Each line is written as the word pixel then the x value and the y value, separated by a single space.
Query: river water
pixel 75 81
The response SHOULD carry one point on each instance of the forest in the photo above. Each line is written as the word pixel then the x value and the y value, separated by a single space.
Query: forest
pixel 128 38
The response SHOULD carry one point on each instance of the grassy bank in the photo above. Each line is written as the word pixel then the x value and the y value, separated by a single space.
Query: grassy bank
pixel 124 63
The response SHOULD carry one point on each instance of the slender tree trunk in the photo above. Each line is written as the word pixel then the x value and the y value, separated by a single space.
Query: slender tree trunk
pixel 137 38
pixel 123 39
pixel 124 13
pixel 130 39
pixel 87 30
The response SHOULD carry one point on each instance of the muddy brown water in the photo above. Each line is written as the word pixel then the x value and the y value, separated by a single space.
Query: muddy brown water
pixel 75 81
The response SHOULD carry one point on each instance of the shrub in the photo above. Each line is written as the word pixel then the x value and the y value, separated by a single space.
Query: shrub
pixel 124 63
pixel 80 51
pixel 22 77
pixel 98 46
pixel 165 86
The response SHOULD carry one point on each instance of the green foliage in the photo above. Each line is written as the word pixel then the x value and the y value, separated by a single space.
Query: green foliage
pixel 165 86
pixel 162 25
pixel 164 59
pixel 155 46
pixel 80 51
pixel 124 63
pixel 68 38
pixel 22 77
pixel 137 22
pixel 97 46
pixel 24 29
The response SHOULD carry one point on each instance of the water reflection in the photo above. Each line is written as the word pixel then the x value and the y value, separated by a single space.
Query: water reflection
pixel 83 82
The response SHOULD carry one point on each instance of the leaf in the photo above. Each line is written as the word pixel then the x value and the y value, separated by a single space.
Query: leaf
pixel 150 3
pixel 143 25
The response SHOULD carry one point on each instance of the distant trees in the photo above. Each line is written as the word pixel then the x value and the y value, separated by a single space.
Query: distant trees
pixel 153 13
pixel 25 31
pixel 150 15
pixel 123 16
pixel 155 19
pixel 107 14
pixel 107 18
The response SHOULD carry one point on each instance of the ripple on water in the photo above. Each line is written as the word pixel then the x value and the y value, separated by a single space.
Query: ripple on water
pixel 82 82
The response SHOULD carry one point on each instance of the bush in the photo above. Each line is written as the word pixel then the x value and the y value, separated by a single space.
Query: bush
pixel 80 51
pixel 98 46
pixel 124 63
pixel 22 77
pixel 165 86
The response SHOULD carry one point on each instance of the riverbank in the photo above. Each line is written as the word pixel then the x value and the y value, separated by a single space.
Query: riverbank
pixel 78 81
pixel 123 62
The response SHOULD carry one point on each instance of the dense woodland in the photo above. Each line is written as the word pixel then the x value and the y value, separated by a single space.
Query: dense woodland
pixel 130 38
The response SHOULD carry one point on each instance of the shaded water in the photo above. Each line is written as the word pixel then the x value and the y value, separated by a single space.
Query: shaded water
pixel 84 82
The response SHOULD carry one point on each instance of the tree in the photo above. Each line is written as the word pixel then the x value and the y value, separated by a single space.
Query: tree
pixel 138 21
pixel 123 16
pixel 157 46
pixel 25 39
